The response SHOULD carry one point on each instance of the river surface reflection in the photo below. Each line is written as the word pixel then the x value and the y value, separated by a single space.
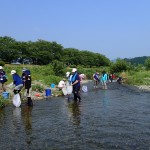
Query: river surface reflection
pixel 117 118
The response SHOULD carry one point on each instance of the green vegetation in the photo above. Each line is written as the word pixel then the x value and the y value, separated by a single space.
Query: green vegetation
pixel 137 60
pixel 50 61
pixel 138 78
pixel 38 88
pixel 118 66
pixel 44 52
pixel 47 74
pixel 147 63
pixel 3 102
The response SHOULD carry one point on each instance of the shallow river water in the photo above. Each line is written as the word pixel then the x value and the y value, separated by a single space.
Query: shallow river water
pixel 117 118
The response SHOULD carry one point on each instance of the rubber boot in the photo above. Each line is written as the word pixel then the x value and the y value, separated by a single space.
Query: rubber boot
pixel 15 92
pixel 29 103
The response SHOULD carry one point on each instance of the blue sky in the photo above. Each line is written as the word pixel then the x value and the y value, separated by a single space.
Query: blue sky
pixel 114 28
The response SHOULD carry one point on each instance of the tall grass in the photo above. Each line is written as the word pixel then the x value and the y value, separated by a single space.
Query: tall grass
pixel 47 76
pixel 138 78
pixel 44 74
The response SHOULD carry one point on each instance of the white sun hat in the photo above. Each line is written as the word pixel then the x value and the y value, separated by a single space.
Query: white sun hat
pixel 1 67
pixel 67 74
pixel 74 69
pixel 13 72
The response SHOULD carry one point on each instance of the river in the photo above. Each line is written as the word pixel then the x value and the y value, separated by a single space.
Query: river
pixel 117 118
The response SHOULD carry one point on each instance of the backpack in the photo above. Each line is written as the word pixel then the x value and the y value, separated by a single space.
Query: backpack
pixel 96 76
pixel 27 72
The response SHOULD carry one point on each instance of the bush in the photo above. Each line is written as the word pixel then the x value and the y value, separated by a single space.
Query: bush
pixel 138 78
pixel 147 63
pixel 58 68
pixel 38 87
pixel 2 104
pixel 2 63
pixel 48 80
pixel 118 66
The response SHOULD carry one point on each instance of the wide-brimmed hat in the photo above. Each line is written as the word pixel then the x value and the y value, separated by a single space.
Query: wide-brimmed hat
pixel 1 67
pixel 74 69
pixel 13 72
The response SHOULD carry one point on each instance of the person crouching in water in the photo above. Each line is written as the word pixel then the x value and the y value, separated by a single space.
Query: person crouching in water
pixel 26 76
pixel 17 82
pixel 62 84
pixel 76 84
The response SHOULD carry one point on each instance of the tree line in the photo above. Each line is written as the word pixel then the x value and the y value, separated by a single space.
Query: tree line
pixel 44 52
pixel 137 60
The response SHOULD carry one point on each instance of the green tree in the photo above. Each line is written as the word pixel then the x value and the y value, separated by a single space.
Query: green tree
pixel 119 66
pixel 147 63
pixel 58 68
pixel 7 49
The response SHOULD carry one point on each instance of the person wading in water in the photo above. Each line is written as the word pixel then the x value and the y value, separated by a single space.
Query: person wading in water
pixel 76 85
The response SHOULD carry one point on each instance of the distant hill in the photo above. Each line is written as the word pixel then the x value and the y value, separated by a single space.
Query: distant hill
pixel 137 60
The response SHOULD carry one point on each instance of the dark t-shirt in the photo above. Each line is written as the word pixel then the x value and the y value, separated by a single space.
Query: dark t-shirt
pixel 2 77
pixel 28 82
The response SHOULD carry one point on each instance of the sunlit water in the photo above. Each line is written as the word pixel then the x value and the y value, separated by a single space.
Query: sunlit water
pixel 117 118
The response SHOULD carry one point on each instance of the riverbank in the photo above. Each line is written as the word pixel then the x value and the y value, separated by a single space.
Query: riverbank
pixel 55 92
pixel 38 94
pixel 141 88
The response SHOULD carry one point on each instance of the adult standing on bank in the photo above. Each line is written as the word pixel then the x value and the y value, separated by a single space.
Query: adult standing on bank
pixel 3 79
pixel 76 84
pixel 26 76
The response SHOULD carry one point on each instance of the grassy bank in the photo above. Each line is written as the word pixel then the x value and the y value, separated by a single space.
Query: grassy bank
pixel 137 77
pixel 44 76
pixel 3 102
pixel 47 75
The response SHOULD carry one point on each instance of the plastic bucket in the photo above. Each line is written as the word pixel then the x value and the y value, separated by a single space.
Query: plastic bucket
pixel 48 92
pixel 52 85
pixel 5 95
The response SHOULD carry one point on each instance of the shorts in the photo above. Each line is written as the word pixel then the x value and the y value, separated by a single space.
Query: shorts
pixel 19 87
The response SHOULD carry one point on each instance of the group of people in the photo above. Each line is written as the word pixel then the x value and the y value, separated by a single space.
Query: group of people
pixel 73 79
pixel 104 78
pixel 19 82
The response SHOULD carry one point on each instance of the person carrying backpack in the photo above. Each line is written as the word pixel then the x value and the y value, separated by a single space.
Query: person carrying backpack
pixel 96 79
pixel 26 77
pixel 3 79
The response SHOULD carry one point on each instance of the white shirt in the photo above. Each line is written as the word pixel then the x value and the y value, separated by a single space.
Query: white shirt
pixel 61 84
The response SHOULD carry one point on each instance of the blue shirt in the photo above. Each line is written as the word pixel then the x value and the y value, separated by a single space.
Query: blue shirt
pixel 104 77
pixel 17 79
